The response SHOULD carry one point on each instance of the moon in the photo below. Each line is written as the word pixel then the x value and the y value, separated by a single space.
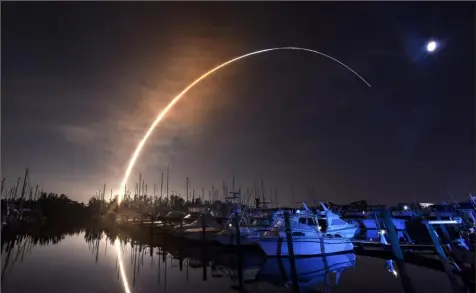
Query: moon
pixel 431 46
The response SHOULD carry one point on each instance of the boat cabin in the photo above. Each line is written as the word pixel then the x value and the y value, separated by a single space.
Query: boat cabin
pixel 301 226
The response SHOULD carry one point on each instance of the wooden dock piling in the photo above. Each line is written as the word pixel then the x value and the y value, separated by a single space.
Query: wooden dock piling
pixel 457 288
pixel 292 262
pixel 397 250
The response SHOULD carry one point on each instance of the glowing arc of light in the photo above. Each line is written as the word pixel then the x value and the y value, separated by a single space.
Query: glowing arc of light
pixel 122 270
pixel 164 112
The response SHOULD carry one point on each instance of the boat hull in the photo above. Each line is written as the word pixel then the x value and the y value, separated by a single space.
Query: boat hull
pixel 349 232
pixel 278 246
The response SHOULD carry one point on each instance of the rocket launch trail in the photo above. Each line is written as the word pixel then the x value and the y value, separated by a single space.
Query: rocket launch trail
pixel 164 112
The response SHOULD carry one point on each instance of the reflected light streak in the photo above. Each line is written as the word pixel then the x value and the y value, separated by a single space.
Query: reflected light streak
pixel 121 266
pixel 164 112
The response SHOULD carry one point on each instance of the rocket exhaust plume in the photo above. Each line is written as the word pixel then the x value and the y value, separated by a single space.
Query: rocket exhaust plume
pixel 164 112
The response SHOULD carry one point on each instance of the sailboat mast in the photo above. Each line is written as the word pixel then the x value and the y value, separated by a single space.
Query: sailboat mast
pixel 24 184
pixel 167 183
pixel 263 192
pixel 16 189
pixel 161 186
pixel 3 185
pixel 186 183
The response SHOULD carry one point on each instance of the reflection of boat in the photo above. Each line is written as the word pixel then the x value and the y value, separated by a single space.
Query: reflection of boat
pixel 227 236
pixel 461 251
pixel 250 259
pixel 310 271
pixel 306 237
pixel 227 264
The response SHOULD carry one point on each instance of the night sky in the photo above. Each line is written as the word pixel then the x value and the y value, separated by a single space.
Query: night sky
pixel 81 82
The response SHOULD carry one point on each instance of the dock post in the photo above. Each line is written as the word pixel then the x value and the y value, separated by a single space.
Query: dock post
pixel 237 230
pixel 444 259
pixel 392 234
pixel 204 229
pixel 203 252
pixel 238 252
pixel 473 218
pixel 397 250
pixel 292 262
pixel 204 267
pixel 445 231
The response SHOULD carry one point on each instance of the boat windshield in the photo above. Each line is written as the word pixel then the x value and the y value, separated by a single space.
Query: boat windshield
pixel 322 224
pixel 308 221
pixel 338 222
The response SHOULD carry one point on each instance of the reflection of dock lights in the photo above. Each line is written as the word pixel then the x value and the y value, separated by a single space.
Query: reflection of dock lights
pixel 382 232
pixel 393 271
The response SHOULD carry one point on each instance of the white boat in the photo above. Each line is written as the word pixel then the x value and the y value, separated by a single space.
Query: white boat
pixel 306 238
pixel 194 230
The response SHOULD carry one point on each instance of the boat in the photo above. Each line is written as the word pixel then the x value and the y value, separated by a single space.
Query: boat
pixel 262 222
pixel 194 230
pixel 249 233
pixel 330 223
pixel 307 240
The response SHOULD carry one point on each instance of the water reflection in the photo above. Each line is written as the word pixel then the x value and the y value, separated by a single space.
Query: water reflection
pixel 311 273
pixel 93 260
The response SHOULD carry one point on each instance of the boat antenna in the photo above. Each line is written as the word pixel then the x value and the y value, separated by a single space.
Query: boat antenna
pixel 324 207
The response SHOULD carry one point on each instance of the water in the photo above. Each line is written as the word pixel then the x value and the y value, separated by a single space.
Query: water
pixel 91 261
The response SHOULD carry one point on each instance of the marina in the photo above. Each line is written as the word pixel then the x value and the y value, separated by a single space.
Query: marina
pixel 322 238
pixel 167 264
pixel 237 147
